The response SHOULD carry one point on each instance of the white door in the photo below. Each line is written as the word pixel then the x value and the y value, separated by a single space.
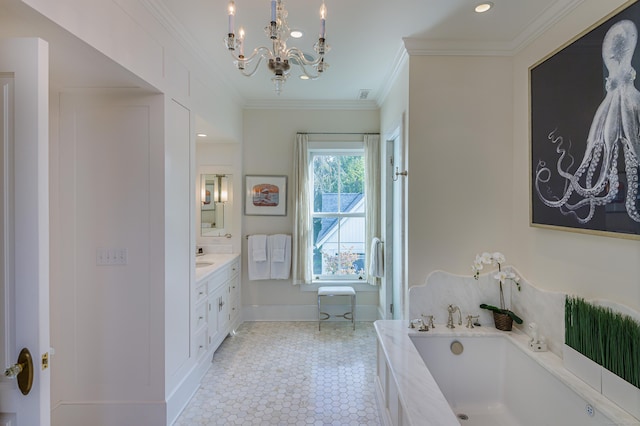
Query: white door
pixel 24 226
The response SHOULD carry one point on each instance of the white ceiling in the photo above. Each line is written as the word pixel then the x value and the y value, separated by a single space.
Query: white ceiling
pixel 366 37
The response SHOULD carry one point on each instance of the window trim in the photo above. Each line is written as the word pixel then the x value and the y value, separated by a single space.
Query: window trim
pixel 358 286
pixel 343 149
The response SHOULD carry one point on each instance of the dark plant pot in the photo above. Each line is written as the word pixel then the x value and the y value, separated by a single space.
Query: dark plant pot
pixel 502 321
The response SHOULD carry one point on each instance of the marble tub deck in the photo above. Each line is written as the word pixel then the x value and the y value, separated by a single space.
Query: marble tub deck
pixel 420 395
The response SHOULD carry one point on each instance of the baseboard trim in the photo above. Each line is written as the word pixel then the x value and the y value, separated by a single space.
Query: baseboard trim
pixel 109 413
pixel 305 312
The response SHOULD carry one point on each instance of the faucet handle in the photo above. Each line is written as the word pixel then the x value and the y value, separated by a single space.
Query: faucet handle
pixel 422 326
pixel 470 319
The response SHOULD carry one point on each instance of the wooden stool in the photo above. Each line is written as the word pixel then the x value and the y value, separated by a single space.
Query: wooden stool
pixel 338 291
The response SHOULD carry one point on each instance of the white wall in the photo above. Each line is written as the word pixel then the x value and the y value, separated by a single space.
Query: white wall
pixel 460 162
pixel 175 218
pixel 589 265
pixel 103 317
pixel 269 137
pixel 396 103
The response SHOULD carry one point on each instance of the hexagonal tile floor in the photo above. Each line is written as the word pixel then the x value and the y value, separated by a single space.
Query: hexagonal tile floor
pixel 289 373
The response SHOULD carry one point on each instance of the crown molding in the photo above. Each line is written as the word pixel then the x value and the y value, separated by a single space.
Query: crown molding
pixel 540 24
pixel 311 104
pixel 547 19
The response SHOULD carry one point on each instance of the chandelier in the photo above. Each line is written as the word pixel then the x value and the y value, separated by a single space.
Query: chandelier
pixel 279 57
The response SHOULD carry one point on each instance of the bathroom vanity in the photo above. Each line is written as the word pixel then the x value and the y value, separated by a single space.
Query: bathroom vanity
pixel 216 307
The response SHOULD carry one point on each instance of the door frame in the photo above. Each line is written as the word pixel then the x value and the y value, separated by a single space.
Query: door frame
pixel 27 61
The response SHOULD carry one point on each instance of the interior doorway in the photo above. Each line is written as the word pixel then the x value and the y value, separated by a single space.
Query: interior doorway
pixel 395 234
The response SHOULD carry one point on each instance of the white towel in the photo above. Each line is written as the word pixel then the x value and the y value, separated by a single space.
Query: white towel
pixel 376 258
pixel 280 253
pixel 258 270
pixel 259 247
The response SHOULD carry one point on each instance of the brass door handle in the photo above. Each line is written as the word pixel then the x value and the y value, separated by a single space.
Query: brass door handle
pixel 23 371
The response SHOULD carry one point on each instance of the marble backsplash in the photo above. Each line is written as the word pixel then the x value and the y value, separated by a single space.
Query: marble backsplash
pixel 533 305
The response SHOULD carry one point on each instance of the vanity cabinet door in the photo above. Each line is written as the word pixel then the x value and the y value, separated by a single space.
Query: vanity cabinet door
pixel 217 316
pixel 214 304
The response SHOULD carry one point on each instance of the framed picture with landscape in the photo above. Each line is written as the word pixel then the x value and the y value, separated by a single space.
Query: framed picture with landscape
pixel 265 195
pixel 584 140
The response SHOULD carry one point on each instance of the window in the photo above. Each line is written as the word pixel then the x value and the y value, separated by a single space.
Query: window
pixel 336 209
pixel 338 214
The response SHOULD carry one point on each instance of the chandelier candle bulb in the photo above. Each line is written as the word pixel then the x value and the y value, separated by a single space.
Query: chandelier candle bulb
pixel 323 20
pixel 241 42
pixel 232 12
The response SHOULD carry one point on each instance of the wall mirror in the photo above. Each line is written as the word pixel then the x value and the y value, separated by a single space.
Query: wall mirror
pixel 214 197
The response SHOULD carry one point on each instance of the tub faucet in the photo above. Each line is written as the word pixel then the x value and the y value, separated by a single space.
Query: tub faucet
pixel 429 320
pixel 452 309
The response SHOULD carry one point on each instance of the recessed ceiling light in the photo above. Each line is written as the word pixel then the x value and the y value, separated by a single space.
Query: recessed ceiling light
pixel 483 7
pixel 201 135
pixel 296 33
pixel 304 77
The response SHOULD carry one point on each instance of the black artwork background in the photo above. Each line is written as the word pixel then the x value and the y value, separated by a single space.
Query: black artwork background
pixel 566 90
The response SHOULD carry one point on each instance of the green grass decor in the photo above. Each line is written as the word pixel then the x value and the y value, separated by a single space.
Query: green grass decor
pixel 608 338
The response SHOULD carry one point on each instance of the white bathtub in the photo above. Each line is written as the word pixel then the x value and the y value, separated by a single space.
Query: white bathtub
pixel 495 381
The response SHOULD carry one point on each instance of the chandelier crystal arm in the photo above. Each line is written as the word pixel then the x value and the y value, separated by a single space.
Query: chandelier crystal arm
pixel 299 56
pixel 261 52
pixel 248 68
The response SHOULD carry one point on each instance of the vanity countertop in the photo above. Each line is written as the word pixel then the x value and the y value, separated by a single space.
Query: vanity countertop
pixel 217 260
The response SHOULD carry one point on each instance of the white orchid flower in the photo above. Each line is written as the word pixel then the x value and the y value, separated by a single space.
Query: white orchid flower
pixel 501 276
pixel 498 257
pixel 486 258
pixel 477 263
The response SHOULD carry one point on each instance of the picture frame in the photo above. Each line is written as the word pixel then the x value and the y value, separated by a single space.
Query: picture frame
pixel 265 195
pixel 582 177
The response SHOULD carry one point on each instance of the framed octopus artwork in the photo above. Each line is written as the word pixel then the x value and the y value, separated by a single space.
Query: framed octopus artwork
pixel 585 131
